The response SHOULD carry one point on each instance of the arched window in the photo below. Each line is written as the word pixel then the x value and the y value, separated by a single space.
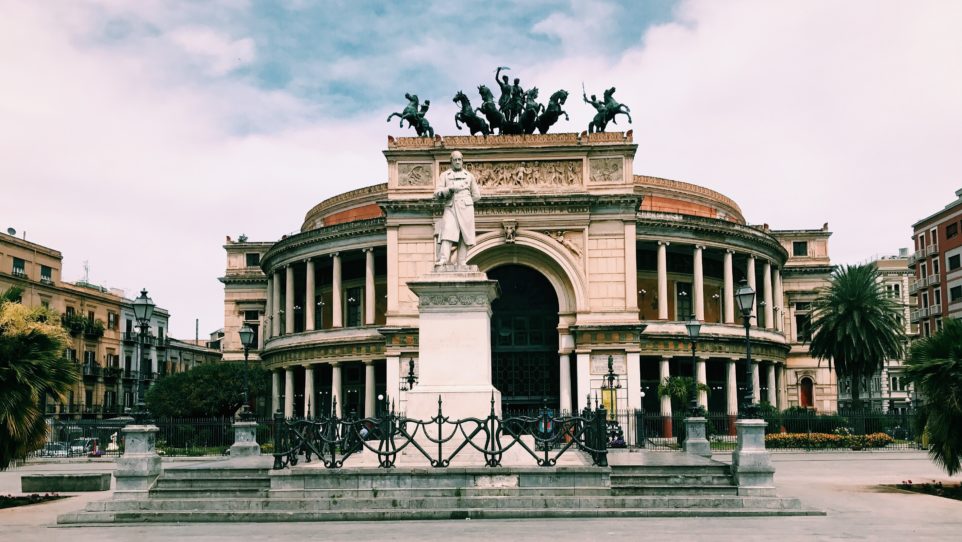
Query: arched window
pixel 807 392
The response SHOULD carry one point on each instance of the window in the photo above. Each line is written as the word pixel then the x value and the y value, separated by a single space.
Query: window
pixel 926 330
pixel 111 320
pixel 160 333
pixel 894 290
pixel 938 324
pixel 955 294
pixel 19 267
pixel 955 262
pixel 251 316
pixel 129 327
pixel 799 248
pixel 253 259
pixel 921 240
pixel 803 305
pixel 45 303
pixel 806 393
pixel 90 357
pixel 803 328
pixel 71 311
pixel 952 230
pixel 46 274
pixel 353 307
pixel 935 266
pixel 683 303
pixel 90 316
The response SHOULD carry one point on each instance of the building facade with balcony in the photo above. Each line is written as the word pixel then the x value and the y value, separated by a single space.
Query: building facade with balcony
pixel 101 326
pixel 937 265
pixel 586 253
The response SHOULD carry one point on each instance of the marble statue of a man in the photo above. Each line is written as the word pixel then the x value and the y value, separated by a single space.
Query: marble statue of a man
pixel 458 188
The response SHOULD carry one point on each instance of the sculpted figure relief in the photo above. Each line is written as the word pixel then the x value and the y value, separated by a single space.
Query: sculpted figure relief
pixel 458 189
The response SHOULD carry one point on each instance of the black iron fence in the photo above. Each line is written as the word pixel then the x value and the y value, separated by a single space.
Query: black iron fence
pixel 440 440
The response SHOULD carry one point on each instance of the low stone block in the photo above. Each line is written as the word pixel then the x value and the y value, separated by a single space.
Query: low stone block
pixel 695 437
pixel 65 483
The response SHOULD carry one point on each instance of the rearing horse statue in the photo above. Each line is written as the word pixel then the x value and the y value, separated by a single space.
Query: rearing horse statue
pixel 468 116
pixel 489 108
pixel 553 111
pixel 410 112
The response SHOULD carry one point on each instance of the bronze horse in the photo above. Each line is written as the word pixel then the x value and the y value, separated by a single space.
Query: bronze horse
pixel 529 114
pixel 414 116
pixel 468 116
pixel 489 108
pixel 552 112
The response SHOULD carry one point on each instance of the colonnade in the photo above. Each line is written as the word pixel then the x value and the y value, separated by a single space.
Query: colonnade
pixel 310 409
pixel 771 289
pixel 275 297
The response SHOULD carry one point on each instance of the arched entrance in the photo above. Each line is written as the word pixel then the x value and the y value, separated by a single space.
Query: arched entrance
pixel 524 339
pixel 807 393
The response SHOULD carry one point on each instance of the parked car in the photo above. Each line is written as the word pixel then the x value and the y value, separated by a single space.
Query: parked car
pixel 85 446
pixel 55 449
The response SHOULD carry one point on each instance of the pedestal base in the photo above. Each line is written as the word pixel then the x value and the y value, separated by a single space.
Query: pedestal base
pixel 695 441
pixel 245 440
pixel 457 402
pixel 751 462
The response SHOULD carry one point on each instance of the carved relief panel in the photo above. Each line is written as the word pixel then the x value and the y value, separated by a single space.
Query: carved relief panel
pixel 607 170
pixel 526 175
pixel 414 174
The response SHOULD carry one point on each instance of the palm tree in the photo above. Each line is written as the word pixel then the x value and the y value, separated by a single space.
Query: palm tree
pixel 935 366
pixel 856 325
pixel 31 365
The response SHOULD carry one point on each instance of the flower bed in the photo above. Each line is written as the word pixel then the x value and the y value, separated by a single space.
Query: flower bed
pixel 934 488
pixel 9 501
pixel 826 440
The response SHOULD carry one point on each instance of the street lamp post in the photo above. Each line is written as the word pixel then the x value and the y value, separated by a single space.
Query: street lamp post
pixel 745 297
pixel 411 378
pixel 143 310
pixel 247 340
pixel 609 389
pixel 694 329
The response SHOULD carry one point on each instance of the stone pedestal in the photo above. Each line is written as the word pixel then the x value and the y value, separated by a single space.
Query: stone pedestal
pixel 454 354
pixel 695 439
pixel 139 467
pixel 245 440
pixel 751 462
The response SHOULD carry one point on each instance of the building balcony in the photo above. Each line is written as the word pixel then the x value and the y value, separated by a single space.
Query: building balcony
pixel 912 261
pixel 915 286
pixel 935 309
pixel 932 249
pixel 918 314
pixel 19 272
pixel 131 375
pixel 932 280
pixel 91 369
pixel 130 336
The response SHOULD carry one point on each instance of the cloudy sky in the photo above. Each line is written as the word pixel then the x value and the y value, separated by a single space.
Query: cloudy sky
pixel 135 135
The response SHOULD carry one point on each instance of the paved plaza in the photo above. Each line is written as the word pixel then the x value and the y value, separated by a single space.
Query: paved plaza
pixel 842 484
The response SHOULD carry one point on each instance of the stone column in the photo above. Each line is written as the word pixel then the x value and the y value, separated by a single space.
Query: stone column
pixel 701 377
pixel 336 387
pixel 729 293
pixel 750 275
pixel 262 331
pixel 369 298
pixel 289 302
pixel 369 389
pixel 767 293
pixel 772 396
pixel 276 391
pixel 276 305
pixel 751 462
pixel 731 394
pixel 633 378
pixel 564 382
pixel 309 294
pixel 663 280
pixel 664 372
pixel 336 313
pixel 289 393
pixel 268 311
pixel 698 288
pixel 779 301
pixel 756 385
pixel 392 385
pixel 782 389
pixel 582 363
pixel 309 400
pixel 138 469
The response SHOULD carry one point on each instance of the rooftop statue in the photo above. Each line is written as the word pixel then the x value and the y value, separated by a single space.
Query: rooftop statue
pixel 415 116
pixel 607 110
pixel 529 114
pixel 469 116
pixel 491 110
pixel 553 111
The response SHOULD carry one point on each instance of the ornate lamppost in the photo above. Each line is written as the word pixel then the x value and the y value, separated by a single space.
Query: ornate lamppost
pixel 745 297
pixel 694 330
pixel 143 310
pixel 609 389
pixel 247 340
pixel 411 379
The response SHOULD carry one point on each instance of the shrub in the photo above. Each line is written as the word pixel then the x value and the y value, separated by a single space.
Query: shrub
pixel 827 440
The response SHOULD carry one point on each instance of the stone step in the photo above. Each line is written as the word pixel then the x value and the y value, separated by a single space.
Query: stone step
pixel 205 493
pixel 400 493
pixel 405 514
pixel 417 504
pixel 624 470
pixel 203 473
pixel 673 489
pixel 213 483
pixel 627 480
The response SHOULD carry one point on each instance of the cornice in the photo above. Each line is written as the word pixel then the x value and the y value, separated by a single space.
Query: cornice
pixel 321 235
pixel 667 223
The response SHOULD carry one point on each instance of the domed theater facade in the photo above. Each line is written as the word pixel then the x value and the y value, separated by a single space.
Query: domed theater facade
pixel 594 263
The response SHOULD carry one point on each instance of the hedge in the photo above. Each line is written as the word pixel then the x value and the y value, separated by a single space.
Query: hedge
pixel 826 440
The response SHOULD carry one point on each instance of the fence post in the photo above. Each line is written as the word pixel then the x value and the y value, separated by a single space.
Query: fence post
pixel 278 427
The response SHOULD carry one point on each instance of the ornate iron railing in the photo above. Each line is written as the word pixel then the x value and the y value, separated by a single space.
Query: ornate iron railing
pixel 440 440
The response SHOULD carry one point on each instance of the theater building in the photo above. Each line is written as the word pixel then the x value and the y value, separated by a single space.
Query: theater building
pixel 593 261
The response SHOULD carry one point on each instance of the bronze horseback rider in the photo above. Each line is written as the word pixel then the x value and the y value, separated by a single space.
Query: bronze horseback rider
pixel 415 116
pixel 607 110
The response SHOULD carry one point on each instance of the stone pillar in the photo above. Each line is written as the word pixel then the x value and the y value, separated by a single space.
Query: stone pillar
pixel 696 441
pixel 289 393
pixel 701 377
pixel 772 397
pixel 782 389
pixel 276 305
pixel 262 331
pixel 369 389
pixel 633 378
pixel 268 311
pixel 369 298
pixel 245 440
pixel 309 399
pixel 583 367
pixel 392 385
pixel 698 288
pixel 731 394
pixel 663 280
pixel 336 312
pixel 310 304
pixel 729 293
pixel 564 382
pixel 779 301
pixel 767 293
pixel 756 385
pixel 275 391
pixel 289 302
pixel 750 275
pixel 138 469
pixel 336 387
pixel 751 462
pixel 664 372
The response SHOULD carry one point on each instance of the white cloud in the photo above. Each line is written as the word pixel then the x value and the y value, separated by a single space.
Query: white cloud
pixel 217 53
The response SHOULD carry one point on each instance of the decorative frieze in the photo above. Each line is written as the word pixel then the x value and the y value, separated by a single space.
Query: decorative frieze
pixel 465 300
pixel 607 170
pixel 511 176
pixel 411 174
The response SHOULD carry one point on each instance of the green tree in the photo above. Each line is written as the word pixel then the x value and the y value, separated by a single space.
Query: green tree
pixel 935 366
pixel 855 325
pixel 214 389
pixel 32 342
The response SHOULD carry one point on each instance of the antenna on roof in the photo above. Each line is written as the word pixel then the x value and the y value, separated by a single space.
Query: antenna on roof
pixel 11 231
pixel 86 271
